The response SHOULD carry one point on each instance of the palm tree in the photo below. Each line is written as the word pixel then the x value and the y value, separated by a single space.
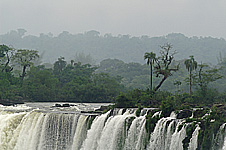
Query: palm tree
pixel 190 64
pixel 59 65
pixel 151 57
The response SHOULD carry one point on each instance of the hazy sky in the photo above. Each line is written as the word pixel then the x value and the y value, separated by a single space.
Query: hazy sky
pixel 134 17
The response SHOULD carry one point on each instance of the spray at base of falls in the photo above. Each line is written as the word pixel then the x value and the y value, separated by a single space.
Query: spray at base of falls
pixel 118 129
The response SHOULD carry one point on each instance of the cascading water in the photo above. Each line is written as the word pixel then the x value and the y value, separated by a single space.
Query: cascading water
pixel 28 128
pixel 194 139
pixel 94 133
pixel 136 137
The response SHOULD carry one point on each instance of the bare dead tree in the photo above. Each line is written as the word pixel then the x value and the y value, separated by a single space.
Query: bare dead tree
pixel 163 67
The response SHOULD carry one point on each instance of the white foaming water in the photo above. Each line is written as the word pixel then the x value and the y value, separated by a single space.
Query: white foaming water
pixel 178 137
pixel 158 136
pixel 136 136
pixel 8 125
pixel 27 128
pixel 28 132
pixel 120 112
pixel 166 136
pixel 193 145
pixel 115 127
pixel 80 133
pixel 221 138
pixel 18 107
pixel 157 114
pixel 94 133
pixel 173 115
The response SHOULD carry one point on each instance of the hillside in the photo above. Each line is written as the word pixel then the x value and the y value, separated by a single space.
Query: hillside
pixel 123 47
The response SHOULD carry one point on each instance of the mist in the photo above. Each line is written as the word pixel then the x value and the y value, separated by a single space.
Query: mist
pixel 133 17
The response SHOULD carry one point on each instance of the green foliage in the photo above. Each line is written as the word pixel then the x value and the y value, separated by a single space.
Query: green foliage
pixel 6 54
pixel 74 82
pixel 40 85
pixel 59 65
pixel 124 101
pixel 204 76
pixel 8 86
pixel 209 127
pixel 25 58
pixel 138 111
pixel 167 106
pixel 3 50
pixel 79 83
pixel 134 75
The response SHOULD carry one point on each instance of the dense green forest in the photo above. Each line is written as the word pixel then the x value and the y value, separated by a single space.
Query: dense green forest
pixel 91 67
pixel 23 76
pixel 20 79
pixel 123 47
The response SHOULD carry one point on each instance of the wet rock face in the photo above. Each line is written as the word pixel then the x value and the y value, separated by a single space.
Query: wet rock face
pixel 200 113
pixel 57 105
pixel 63 105
pixel 102 108
pixel 66 105
pixel 184 114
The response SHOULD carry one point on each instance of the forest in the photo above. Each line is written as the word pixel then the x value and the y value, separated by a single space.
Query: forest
pixel 73 82
pixel 25 78
pixel 90 67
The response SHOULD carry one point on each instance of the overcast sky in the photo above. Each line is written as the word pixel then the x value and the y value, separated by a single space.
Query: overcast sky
pixel 133 17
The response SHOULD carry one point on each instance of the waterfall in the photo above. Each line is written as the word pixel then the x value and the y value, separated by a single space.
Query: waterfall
pixel 194 140
pixel 115 127
pixel 80 133
pixel 136 137
pixel 161 136
pixel 220 140
pixel 36 130
pixel 25 128
pixel 178 136
pixel 94 133
pixel 8 125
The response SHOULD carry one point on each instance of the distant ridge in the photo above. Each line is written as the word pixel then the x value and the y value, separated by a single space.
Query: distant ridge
pixel 123 47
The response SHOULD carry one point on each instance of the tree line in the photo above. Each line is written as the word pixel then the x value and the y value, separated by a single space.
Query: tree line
pixel 200 77
pixel 22 77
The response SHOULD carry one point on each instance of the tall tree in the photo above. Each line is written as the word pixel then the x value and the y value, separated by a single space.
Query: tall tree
pixel 163 65
pixel 26 59
pixel 59 65
pixel 151 57
pixel 204 76
pixel 191 65
pixel 6 53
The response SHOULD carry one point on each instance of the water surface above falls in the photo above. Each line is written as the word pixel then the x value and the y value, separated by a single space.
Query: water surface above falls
pixel 53 107
pixel 42 126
